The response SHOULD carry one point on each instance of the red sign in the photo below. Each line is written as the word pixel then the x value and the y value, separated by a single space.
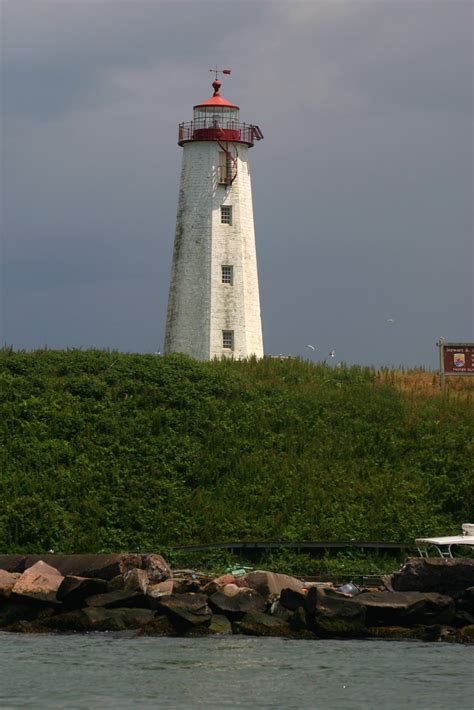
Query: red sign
pixel 458 358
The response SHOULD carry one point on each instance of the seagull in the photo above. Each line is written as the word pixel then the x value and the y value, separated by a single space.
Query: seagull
pixel 332 353
pixel 390 320
pixel 311 346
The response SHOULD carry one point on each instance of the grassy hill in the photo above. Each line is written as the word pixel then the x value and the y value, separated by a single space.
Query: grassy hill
pixel 107 451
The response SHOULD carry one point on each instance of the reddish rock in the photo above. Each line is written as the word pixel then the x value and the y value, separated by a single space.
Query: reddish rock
pixel 224 579
pixel 41 582
pixel 269 584
pixel 7 582
pixel 162 589
pixel 156 568
pixel 135 580
pixel 230 590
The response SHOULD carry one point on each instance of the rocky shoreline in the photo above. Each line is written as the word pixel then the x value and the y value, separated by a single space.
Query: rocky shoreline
pixel 427 599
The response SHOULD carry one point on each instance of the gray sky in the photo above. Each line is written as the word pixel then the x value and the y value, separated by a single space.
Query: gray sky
pixel 362 187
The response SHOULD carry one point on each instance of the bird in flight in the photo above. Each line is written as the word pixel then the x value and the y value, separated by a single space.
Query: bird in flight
pixel 311 346
pixel 390 320
pixel 332 353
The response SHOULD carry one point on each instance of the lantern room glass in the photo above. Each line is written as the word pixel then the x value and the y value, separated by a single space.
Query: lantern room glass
pixel 216 117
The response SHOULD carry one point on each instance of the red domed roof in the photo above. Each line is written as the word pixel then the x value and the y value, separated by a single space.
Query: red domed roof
pixel 216 99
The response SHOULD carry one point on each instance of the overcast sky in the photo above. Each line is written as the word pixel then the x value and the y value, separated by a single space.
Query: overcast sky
pixel 362 187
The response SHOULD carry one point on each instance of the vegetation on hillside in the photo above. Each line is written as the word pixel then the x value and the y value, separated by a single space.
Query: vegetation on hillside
pixel 109 451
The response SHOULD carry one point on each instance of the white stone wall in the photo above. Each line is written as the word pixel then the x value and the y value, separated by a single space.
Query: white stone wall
pixel 200 306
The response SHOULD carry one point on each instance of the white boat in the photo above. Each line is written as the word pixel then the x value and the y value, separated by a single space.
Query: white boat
pixel 443 545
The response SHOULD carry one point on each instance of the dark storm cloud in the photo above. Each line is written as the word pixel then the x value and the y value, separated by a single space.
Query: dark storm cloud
pixel 362 186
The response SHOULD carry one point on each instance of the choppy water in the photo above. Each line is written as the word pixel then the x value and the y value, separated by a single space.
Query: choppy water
pixel 107 671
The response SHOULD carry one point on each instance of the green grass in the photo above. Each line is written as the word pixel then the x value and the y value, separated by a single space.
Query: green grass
pixel 110 451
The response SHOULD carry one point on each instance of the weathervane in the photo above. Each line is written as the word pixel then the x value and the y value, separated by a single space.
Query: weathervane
pixel 217 71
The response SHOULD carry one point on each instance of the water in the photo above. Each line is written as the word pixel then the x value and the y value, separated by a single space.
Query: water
pixel 111 671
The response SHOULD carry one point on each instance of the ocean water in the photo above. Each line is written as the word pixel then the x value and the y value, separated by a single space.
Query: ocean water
pixel 112 671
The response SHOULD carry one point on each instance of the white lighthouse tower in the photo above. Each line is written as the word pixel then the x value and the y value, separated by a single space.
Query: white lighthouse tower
pixel 214 303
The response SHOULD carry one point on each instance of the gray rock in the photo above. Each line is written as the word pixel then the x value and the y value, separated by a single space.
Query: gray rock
pixel 118 598
pixel 337 616
pixel 220 625
pixel 256 623
pixel 440 575
pixel 100 619
pixel 73 590
pixel 235 606
pixel 406 608
pixel 185 609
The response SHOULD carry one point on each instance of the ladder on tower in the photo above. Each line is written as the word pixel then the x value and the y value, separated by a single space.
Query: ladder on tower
pixel 230 165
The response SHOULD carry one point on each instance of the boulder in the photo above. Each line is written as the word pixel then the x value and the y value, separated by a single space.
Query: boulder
pixel 237 604
pixel 184 585
pixel 100 619
pixel 220 625
pixel 185 609
pixel 159 626
pixel 406 608
pixel 280 611
pixel 299 619
pixel 119 598
pixel 440 575
pixel 101 566
pixel 17 610
pixel 40 582
pixel 156 568
pixel 466 635
pixel 269 584
pixel 336 616
pixel 216 584
pixel 162 589
pixel 256 623
pixel 230 590
pixel 73 590
pixel 291 599
pixel 135 580
pixel 224 579
pixel 7 582
pixel 465 600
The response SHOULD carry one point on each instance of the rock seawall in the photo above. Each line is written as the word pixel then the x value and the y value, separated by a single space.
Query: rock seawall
pixel 430 600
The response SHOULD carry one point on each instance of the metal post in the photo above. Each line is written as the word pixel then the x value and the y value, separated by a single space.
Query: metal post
pixel 442 378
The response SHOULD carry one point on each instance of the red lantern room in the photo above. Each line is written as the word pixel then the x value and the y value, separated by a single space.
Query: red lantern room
pixel 218 120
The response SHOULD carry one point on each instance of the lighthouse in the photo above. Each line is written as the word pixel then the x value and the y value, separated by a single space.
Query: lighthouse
pixel 214 303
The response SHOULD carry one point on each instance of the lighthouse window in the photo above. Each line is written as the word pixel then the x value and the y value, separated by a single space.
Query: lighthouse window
pixel 227 275
pixel 228 339
pixel 226 214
